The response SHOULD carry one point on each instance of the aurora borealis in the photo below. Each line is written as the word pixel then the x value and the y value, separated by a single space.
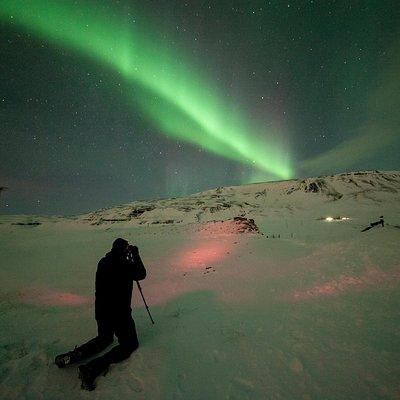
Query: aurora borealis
pixel 107 102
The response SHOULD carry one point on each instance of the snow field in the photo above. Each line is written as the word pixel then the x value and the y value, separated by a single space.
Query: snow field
pixel 308 310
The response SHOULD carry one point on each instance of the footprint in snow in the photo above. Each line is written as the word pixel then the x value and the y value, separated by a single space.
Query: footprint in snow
pixel 241 388
pixel 14 351
pixel 135 383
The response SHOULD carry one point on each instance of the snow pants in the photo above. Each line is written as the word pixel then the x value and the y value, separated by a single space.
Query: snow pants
pixel 124 329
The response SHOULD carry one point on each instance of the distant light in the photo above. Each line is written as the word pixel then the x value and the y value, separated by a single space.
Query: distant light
pixel 330 219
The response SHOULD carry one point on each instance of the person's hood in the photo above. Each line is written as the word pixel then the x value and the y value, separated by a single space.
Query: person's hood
pixel 119 244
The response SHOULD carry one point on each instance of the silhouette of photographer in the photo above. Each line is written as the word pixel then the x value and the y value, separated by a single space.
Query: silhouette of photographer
pixel 115 275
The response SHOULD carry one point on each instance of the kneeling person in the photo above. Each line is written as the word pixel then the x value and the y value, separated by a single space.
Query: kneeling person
pixel 114 283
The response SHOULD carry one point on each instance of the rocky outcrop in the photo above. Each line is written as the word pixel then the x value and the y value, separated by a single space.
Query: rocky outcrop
pixel 237 225
pixel 316 185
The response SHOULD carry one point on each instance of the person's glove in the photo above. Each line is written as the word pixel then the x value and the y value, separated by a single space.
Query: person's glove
pixel 133 250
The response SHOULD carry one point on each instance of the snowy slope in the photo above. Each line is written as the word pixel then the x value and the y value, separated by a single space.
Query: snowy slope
pixel 289 306
pixel 255 199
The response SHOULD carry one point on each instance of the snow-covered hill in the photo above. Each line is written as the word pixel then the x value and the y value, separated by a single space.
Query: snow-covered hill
pixel 349 190
pixel 255 199
pixel 262 291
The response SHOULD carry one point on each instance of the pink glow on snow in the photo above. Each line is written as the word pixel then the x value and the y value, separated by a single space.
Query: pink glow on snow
pixel 194 265
pixel 203 251
pixel 52 297
pixel 372 276
pixel 203 254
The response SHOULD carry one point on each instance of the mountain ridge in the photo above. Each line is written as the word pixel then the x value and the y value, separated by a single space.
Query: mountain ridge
pixel 251 199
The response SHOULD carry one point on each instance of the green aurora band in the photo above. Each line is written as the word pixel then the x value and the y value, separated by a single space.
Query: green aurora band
pixel 168 91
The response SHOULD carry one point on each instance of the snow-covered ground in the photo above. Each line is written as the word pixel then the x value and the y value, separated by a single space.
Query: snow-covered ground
pixel 303 309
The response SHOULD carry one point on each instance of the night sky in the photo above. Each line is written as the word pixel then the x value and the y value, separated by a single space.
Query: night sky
pixel 107 102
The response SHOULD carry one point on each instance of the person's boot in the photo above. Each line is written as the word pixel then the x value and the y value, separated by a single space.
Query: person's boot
pixel 87 376
pixel 90 371
pixel 65 359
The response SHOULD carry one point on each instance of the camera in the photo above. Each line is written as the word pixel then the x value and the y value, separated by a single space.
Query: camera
pixel 131 249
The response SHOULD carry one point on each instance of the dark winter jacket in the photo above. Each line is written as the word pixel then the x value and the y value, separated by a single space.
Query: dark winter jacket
pixel 114 283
